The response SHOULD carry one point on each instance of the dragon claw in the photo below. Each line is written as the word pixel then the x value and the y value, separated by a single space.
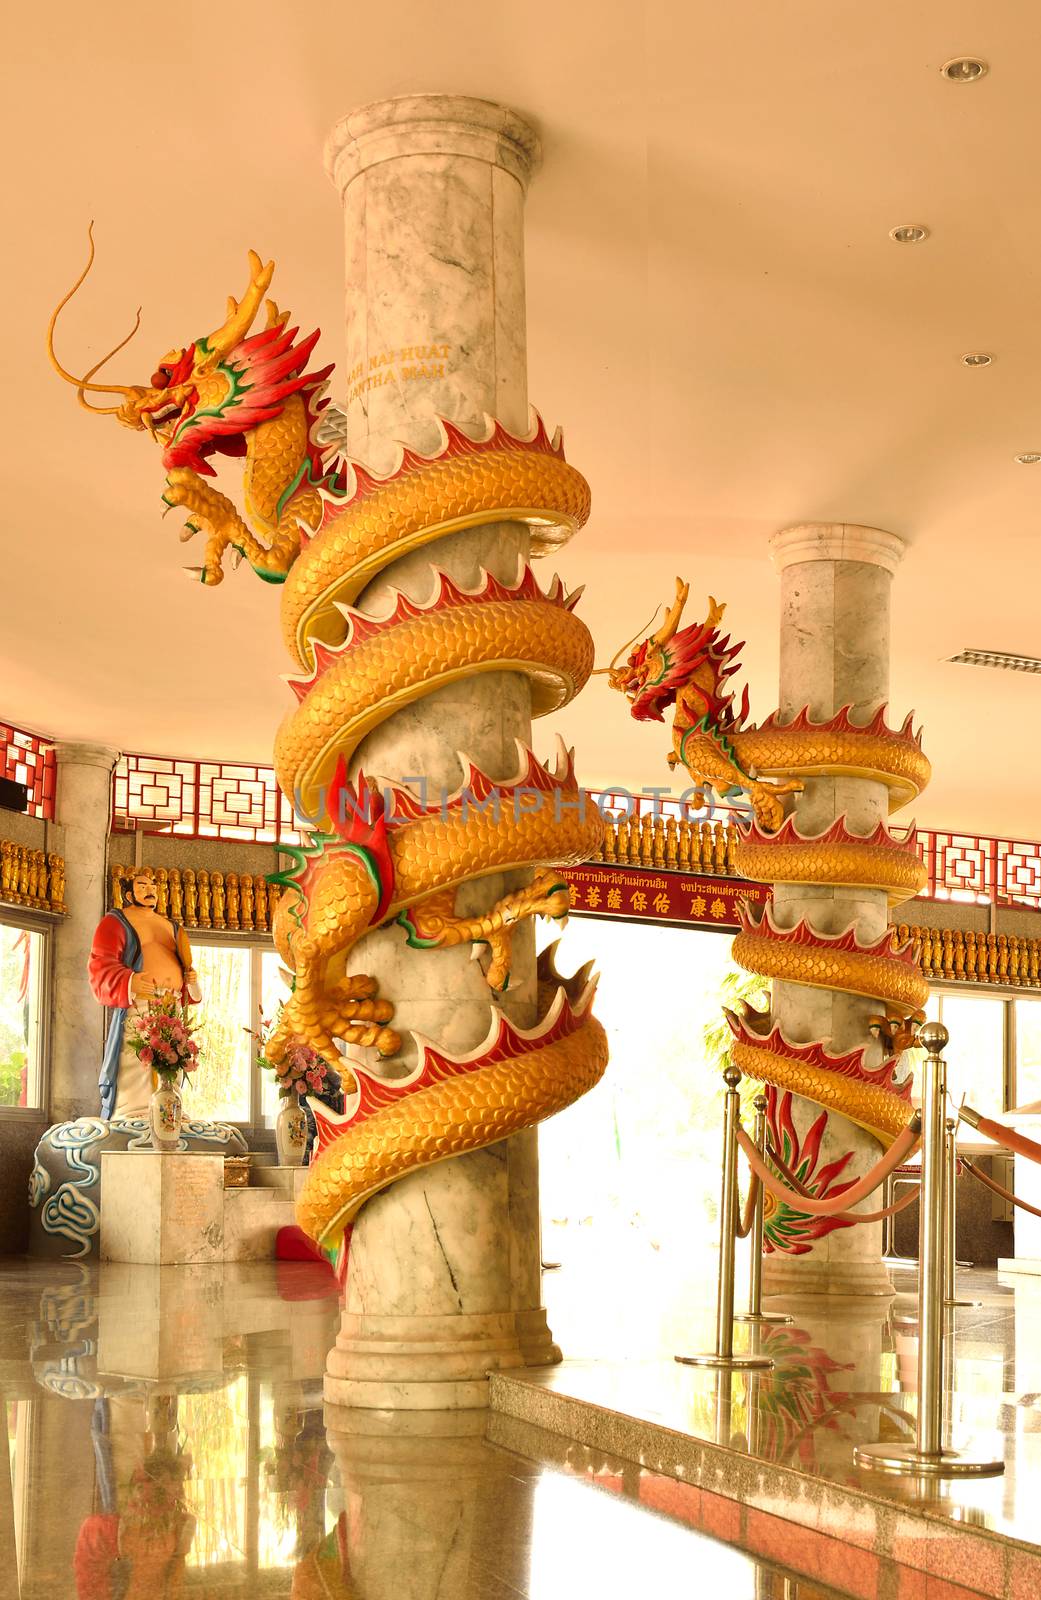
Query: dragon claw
pixel 189 531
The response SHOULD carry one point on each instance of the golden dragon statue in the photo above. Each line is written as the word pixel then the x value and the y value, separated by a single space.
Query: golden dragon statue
pixel 689 669
pixel 323 527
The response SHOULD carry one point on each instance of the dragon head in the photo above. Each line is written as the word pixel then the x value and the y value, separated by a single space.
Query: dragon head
pixel 206 396
pixel 666 660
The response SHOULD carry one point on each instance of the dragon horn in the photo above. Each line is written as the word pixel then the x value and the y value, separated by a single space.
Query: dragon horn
pixel 673 615
pixel 241 313
pixel 84 383
pixel 597 671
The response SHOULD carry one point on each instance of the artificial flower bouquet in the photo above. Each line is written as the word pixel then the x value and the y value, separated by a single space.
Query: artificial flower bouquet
pixel 161 1036
pixel 300 1072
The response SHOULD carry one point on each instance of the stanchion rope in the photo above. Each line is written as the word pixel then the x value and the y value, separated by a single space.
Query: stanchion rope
pixel 894 1157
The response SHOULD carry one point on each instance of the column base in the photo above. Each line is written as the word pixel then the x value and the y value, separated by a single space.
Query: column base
pixel 802 1278
pixel 435 1363
pixel 537 1344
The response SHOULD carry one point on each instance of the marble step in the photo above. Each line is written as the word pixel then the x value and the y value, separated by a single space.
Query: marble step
pixel 252 1218
pixel 285 1181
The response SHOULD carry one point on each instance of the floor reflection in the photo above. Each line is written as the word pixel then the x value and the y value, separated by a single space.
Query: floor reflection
pixel 166 1437
pixel 842 1374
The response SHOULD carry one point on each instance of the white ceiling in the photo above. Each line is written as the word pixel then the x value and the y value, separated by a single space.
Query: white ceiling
pixel 716 315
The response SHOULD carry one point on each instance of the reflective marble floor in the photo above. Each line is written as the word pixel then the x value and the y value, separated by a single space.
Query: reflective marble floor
pixel 782 1442
pixel 166 1436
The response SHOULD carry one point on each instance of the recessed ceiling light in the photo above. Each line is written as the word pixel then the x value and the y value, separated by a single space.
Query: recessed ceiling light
pixel 1029 458
pixel 976 358
pixel 996 658
pixel 909 233
pixel 964 69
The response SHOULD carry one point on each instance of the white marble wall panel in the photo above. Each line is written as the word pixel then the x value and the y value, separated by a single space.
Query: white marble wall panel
pixel 84 807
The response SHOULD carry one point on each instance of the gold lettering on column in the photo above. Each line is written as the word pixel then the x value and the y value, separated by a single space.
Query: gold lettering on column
pixel 412 363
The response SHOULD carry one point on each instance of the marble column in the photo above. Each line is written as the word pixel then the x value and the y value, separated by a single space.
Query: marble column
pixel 444 1280
pixel 84 811
pixel 835 594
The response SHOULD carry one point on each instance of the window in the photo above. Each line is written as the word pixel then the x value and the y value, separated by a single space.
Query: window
pixel 1027 1025
pixel 273 991
pixel 976 1052
pixel 23 960
pixel 976 1055
pixel 241 983
pixel 221 1087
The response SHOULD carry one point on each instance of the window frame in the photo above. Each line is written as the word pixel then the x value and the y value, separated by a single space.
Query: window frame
pixel 27 919
pixel 1008 995
pixel 255 1129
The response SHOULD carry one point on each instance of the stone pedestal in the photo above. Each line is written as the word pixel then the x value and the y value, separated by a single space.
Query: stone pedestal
pixel 444 1276
pixel 172 1209
pixel 835 595
pixel 161 1208
pixel 84 809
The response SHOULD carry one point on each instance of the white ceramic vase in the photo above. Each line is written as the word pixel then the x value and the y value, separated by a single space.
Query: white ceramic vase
pixel 290 1133
pixel 165 1115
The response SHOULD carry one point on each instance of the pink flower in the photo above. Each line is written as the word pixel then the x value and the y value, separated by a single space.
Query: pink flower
pixel 146 1056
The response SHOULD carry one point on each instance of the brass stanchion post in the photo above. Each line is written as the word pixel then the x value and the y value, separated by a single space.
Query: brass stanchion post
pixel 755 1312
pixel 723 1354
pixel 950 1220
pixel 928 1456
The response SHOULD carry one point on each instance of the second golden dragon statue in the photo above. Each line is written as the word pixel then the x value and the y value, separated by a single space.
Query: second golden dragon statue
pixel 690 669
pixel 323 527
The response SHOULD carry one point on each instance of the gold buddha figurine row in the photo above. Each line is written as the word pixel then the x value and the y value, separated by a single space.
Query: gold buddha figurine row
pixel 31 877
pixel 669 843
pixel 240 902
pixel 967 957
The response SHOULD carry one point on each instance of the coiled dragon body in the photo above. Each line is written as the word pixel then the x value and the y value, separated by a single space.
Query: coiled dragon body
pixel 323 528
pixel 688 669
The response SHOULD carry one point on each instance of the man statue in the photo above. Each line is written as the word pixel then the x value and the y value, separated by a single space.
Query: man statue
pixel 136 953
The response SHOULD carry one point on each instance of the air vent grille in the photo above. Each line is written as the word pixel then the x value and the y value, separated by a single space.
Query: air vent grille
pixel 997 658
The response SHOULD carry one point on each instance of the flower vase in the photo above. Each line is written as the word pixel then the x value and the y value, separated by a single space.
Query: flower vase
pixel 165 1115
pixel 290 1133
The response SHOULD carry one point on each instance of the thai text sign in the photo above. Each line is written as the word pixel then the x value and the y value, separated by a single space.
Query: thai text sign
pixel 659 896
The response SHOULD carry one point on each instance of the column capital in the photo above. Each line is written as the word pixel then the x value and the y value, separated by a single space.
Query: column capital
pixel 72 753
pixel 431 124
pixel 836 541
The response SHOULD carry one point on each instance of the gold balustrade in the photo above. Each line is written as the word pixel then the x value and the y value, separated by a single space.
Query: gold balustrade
pixel 670 843
pixel 235 902
pixel 962 956
pixel 958 955
pixel 34 878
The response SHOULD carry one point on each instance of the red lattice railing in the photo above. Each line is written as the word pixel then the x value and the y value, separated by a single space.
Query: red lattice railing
pixel 236 800
pixel 201 800
pixel 973 868
pixel 29 758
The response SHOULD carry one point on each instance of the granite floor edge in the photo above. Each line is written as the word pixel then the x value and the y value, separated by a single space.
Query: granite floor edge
pixel 717 1470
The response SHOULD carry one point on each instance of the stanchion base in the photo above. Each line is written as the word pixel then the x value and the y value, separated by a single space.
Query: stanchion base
pixel 900 1261
pixel 742 1363
pixel 907 1458
pixel 762 1316
pixel 951 1305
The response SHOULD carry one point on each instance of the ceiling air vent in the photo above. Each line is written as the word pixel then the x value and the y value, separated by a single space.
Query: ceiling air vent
pixel 997 658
